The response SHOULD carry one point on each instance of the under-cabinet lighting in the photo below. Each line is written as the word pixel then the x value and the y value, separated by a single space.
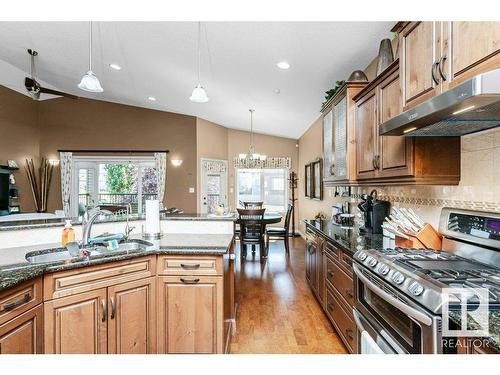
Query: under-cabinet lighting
pixel 464 109
pixel 409 130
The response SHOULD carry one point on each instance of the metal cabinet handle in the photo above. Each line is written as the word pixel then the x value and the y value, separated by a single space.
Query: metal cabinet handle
pixel 190 266
pixel 440 67
pixel 349 293
pixel 332 169
pixel 330 273
pixel 374 163
pixel 11 306
pixel 331 306
pixel 190 281
pixel 104 310
pixel 347 259
pixel 436 81
pixel 349 333
pixel 113 308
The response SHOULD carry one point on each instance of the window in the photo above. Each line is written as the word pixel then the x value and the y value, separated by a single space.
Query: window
pixel 266 185
pixel 113 181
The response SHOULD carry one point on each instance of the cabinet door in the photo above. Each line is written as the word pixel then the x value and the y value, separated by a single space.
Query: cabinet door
pixel 132 317
pixel 328 145
pixel 395 152
pixel 366 131
pixel 76 324
pixel 419 50
pixel 311 269
pixel 190 314
pixel 340 139
pixel 23 334
pixel 320 270
pixel 470 48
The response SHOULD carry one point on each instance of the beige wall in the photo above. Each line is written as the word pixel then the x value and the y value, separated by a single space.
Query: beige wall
pixel 311 148
pixel 19 138
pixel 211 143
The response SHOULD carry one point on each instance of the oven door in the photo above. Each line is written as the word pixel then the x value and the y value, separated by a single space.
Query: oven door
pixel 405 326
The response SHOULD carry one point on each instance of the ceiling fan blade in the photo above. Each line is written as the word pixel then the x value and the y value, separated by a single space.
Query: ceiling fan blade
pixel 58 93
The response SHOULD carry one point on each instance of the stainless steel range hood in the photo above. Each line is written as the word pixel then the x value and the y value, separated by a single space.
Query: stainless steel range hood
pixel 467 108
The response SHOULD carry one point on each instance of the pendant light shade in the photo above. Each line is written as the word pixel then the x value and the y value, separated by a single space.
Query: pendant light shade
pixel 89 81
pixel 199 94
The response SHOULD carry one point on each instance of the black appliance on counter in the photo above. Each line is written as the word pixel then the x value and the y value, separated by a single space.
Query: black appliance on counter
pixel 9 194
pixel 375 212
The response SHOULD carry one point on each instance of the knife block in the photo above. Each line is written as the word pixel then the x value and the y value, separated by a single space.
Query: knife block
pixel 427 238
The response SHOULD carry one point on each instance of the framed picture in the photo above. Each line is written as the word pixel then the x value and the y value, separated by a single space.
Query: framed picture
pixel 317 169
pixel 313 180
pixel 308 181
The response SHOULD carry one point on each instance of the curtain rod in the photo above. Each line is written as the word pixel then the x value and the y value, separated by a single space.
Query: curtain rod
pixel 117 151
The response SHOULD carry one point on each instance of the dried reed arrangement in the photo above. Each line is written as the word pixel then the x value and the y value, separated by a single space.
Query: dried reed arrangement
pixel 40 188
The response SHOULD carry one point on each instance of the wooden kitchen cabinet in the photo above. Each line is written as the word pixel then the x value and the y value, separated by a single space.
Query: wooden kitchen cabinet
pixel 23 334
pixel 469 48
pixel 77 324
pixel 190 314
pixel 132 317
pixel 398 159
pixel 339 136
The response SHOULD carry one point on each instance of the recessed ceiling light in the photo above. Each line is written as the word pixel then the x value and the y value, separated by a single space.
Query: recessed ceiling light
pixel 152 98
pixel 276 91
pixel 115 66
pixel 283 65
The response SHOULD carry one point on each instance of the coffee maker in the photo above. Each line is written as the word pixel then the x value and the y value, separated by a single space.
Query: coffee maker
pixel 374 211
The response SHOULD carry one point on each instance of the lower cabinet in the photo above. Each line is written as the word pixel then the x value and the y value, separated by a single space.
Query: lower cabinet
pixel 190 314
pixel 23 334
pixel 77 324
pixel 119 319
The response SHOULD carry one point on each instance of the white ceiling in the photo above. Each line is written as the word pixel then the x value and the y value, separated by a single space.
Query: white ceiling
pixel 238 65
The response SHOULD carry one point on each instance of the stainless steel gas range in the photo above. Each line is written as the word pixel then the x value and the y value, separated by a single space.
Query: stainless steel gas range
pixel 399 292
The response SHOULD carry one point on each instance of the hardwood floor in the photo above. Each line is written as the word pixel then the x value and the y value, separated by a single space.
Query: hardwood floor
pixel 277 312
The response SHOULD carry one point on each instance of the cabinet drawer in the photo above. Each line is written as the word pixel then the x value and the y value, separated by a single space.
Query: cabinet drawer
pixel 333 251
pixel 341 319
pixel 19 299
pixel 346 263
pixel 66 283
pixel 190 265
pixel 340 281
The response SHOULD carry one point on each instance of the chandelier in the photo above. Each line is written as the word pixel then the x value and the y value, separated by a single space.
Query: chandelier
pixel 251 155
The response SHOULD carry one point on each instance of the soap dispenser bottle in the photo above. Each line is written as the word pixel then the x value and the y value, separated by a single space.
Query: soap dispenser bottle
pixel 68 233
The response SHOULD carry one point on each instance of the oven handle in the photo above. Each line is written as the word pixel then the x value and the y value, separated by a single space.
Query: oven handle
pixel 417 315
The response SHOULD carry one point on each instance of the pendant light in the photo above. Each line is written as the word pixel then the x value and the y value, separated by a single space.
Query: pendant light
pixel 252 155
pixel 89 81
pixel 199 94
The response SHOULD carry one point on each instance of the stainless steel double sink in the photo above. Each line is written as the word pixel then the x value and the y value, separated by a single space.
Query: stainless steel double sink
pixel 62 254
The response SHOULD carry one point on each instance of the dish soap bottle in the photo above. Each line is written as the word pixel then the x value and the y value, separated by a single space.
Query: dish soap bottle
pixel 68 233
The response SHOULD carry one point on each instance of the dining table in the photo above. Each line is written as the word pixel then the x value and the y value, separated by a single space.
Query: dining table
pixel 269 218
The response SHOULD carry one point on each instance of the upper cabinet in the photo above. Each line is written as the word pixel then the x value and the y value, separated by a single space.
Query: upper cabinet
pixel 339 136
pixel 435 56
pixel 397 159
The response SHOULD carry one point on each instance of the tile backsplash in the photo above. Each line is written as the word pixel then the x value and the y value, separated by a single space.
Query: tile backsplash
pixel 479 187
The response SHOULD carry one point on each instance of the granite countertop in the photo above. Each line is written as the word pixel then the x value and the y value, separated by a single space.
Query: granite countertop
pixel 15 269
pixel 350 239
pixel 59 222
pixel 493 340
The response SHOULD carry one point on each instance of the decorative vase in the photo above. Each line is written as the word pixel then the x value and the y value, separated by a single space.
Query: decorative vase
pixel 385 55
pixel 357 76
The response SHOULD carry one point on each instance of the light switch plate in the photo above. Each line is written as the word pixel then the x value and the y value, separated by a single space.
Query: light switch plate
pixel 191 190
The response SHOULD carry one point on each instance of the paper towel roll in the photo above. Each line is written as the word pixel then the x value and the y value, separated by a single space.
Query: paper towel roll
pixel 152 217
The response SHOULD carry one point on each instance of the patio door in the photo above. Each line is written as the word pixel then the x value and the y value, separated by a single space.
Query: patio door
pixel 213 185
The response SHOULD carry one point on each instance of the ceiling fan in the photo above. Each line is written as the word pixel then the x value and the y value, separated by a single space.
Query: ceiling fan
pixel 34 88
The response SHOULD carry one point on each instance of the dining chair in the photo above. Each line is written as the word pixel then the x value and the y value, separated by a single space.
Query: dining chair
pixel 253 205
pixel 281 233
pixel 252 229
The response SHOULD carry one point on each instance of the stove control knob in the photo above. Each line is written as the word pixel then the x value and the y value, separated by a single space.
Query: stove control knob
pixel 383 269
pixel 416 289
pixel 398 278
pixel 362 256
pixel 372 262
